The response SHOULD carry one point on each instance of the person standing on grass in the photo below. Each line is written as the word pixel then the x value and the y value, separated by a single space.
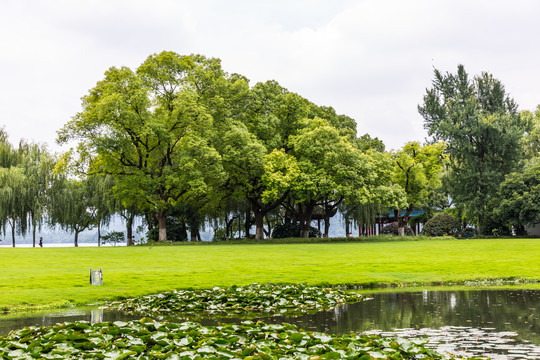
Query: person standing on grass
pixel 41 241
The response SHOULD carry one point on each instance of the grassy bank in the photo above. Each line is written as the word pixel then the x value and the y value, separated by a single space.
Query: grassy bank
pixel 57 276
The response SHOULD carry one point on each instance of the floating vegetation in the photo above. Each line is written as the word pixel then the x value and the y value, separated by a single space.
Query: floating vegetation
pixel 147 339
pixel 255 300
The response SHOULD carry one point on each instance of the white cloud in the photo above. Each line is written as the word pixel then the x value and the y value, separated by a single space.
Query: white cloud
pixel 371 60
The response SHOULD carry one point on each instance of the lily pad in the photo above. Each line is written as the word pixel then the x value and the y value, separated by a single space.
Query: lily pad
pixel 255 300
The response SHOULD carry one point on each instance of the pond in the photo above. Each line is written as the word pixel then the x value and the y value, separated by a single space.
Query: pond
pixel 501 323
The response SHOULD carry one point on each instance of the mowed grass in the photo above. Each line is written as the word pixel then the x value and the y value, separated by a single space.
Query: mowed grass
pixel 55 276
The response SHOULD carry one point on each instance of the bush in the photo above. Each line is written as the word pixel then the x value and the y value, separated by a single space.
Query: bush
pixel 283 231
pixel 113 237
pixel 392 229
pixel 440 225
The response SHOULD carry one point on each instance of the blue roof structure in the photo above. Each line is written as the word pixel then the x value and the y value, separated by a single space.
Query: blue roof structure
pixel 414 213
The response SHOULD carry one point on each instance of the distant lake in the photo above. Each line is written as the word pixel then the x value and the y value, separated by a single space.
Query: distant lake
pixel 51 245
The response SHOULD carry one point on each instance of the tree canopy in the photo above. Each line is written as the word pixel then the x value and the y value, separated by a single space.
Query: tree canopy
pixel 150 132
pixel 483 131
pixel 183 143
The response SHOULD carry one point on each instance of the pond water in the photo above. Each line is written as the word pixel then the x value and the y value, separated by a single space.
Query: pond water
pixel 504 324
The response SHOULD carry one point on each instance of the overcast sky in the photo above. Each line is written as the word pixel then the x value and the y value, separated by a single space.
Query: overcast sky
pixel 371 60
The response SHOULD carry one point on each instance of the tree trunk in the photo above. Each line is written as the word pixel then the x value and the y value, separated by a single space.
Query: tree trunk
pixel 402 220
pixel 481 229
pixel 33 230
pixel 13 233
pixel 260 210
pixel 194 229
pixel 99 233
pixel 247 224
pixel 76 240
pixel 347 227
pixel 161 217
pixel 259 223
pixel 269 227
pixel 305 221
pixel 227 229
pixel 129 229
pixel 239 227
pixel 326 225
pixel 195 234
pixel 183 230
pixel 401 228
pixel 33 235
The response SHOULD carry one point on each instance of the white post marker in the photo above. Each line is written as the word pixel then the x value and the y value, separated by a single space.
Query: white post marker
pixel 96 277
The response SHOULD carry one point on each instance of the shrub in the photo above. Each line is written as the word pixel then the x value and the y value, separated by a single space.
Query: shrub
pixel 440 225
pixel 113 237
pixel 283 231
pixel 392 229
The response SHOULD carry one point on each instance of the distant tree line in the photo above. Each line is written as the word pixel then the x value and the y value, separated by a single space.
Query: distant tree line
pixel 182 143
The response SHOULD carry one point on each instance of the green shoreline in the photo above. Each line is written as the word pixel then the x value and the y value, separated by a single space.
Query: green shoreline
pixel 17 311
pixel 53 278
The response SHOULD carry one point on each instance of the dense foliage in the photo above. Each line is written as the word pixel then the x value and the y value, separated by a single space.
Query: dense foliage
pixel 181 132
pixel 282 231
pixel 519 197
pixel 393 229
pixel 417 171
pixel 442 225
pixel 183 144
pixel 251 300
pixel 483 130
pixel 147 339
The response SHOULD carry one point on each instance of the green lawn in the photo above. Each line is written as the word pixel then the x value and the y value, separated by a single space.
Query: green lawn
pixel 54 276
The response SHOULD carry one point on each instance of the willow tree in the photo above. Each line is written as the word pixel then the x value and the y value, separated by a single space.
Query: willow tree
pixel 12 179
pixel 38 165
pixel 73 207
pixel 102 201
pixel 150 132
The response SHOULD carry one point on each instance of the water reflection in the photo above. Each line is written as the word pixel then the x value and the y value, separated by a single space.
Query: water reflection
pixel 501 311
pixel 515 311
pixel 8 323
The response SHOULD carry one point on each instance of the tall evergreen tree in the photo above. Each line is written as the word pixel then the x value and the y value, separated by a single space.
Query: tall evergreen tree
pixel 483 130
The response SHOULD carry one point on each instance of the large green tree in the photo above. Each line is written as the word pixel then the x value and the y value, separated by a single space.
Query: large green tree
pixel 519 197
pixel 150 130
pixel 331 169
pixel 256 147
pixel 417 170
pixel 483 129
pixel 531 141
